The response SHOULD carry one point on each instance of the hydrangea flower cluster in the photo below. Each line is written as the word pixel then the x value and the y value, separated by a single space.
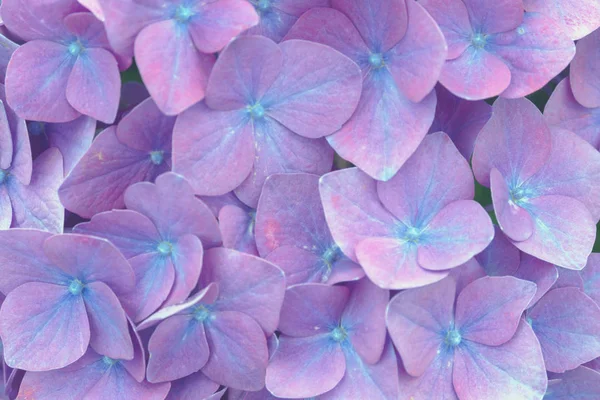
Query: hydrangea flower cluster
pixel 300 199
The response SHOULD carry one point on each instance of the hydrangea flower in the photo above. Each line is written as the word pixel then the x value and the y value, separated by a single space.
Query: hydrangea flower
pixel 95 376
pixel 62 294
pixel 265 106
pixel 401 51
pixel 28 190
pixel 470 344
pixel 72 139
pixel 174 41
pixel 221 330
pixel 278 16
pixel 333 344
pixel 73 45
pixel 564 111
pixel 460 119
pixel 196 386
pixel 579 384
pixel 410 230
pixel 162 234
pixel 584 71
pixel 291 232
pixel 494 48
pixel 544 183
pixel 137 149
pixel 578 18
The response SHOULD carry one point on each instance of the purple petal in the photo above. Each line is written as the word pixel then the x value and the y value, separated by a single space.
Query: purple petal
pixel 203 138
pixel 317 91
pixel 43 327
pixel 467 273
pixel 23 260
pixel 215 203
pixel 579 384
pixel 108 322
pixel 5 209
pixel 392 263
pixel 535 52
pixel 187 261
pixel 488 311
pixel 91 259
pixel 37 205
pixel 178 348
pixel 99 179
pixel 513 219
pixel 495 16
pixel 460 119
pixel 501 257
pixel 146 128
pixel 564 234
pixel 567 324
pixel 237 228
pixel 219 22
pixel 192 387
pixel 435 383
pixel 34 94
pixel 36 20
pixel 131 232
pixel 571 278
pixel 7 48
pixel 87 28
pixel 543 274
pixel 175 211
pixel 513 370
pixel 425 184
pixel 476 74
pixel 94 6
pixel 312 309
pixel 247 284
pixel 591 277
pixel 584 71
pixel 515 141
pixel 365 320
pixel 422 44
pixel 6 149
pixel 453 20
pixel 244 72
pixel 73 139
pixel 305 367
pixel 381 23
pixel 353 215
pixel 578 18
pixel 417 319
pixel 238 351
pixel 565 112
pixel 174 71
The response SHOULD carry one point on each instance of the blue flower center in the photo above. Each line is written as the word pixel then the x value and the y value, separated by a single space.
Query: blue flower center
pixel 109 361
pixel 165 248
pixel 183 13
pixel 376 60
pixel 157 157
pixel 201 313
pixel 479 40
pixel 256 111
pixel 263 5
pixel 76 48
pixel 453 338
pixel 76 287
pixel 339 334
pixel 412 235
pixel 519 195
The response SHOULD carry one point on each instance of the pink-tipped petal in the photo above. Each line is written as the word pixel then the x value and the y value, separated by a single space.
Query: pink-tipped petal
pixel 578 18
pixel 495 16
pixel 453 20
pixel 584 71
pixel 514 220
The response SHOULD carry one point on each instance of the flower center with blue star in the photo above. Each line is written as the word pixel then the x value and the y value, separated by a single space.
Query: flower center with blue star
pixel 157 157
pixel 76 287
pixel 201 313
pixel 479 40
pixel 165 248
pixel 256 111
pixel 183 13
pixel 339 334
pixel 376 60
pixel 262 5
pixel 453 338
pixel 76 48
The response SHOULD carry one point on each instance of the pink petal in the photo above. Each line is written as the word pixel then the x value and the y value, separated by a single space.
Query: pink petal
pixel 567 324
pixel 244 72
pixel 591 277
pixel 584 71
pixel 73 139
pixel 238 351
pixel 571 278
pixel 305 367
pixel 108 322
pixel 193 387
pixel 317 91
pixel 43 327
pixel 311 309
pixel 423 44
pixel 488 311
pixel 237 228
pixel 514 220
pixel 501 257
pixel 535 52
pixel 5 209
pixel 36 20
pixel 516 136
pixel 513 370
pixel 476 74
pixel 203 138
pixel 34 94
pixel 220 21
pixel 495 16
pixel 146 128
pixel 174 71
pixel 574 385
pixel 453 20
pixel 392 264
pixel 87 28
pixel 187 261
pixel 6 149
pixel 94 6
pixel 178 348
pixel 435 383
pixel 543 274
pixel 417 319
pixel 578 18
pixel 353 215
